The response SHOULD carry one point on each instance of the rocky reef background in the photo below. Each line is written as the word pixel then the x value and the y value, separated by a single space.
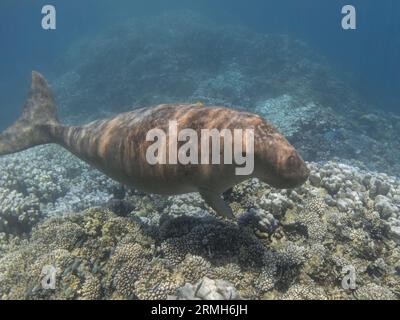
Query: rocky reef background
pixel 108 242
pixel 286 244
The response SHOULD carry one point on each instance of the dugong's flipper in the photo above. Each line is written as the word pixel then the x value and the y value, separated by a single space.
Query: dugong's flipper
pixel 215 201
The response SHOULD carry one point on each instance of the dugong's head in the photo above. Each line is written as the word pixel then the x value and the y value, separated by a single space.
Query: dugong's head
pixel 277 162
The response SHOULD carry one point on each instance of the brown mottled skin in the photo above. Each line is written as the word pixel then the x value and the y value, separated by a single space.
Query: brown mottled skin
pixel 117 146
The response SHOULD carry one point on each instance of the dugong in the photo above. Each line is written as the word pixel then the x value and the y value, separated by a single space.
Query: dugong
pixel 118 146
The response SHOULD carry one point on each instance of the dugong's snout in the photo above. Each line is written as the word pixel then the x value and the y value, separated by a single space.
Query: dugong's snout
pixel 288 173
pixel 295 171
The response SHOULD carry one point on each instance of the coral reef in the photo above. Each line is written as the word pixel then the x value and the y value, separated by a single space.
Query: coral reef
pixel 287 244
pixel 18 213
pixel 207 289
pixel 47 181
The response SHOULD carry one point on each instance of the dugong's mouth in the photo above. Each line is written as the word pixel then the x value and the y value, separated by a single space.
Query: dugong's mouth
pixel 297 180
pixel 288 184
pixel 289 181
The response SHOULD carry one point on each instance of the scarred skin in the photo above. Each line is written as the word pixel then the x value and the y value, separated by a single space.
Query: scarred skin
pixel 117 147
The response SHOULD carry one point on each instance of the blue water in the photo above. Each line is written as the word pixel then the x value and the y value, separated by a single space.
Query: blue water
pixel 369 55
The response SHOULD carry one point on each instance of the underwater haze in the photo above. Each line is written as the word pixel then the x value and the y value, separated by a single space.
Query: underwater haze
pixel 327 227
pixel 369 54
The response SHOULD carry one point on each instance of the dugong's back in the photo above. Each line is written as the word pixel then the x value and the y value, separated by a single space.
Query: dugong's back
pixel 118 146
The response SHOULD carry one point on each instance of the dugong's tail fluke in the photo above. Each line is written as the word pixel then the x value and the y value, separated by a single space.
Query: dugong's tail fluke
pixel 38 120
